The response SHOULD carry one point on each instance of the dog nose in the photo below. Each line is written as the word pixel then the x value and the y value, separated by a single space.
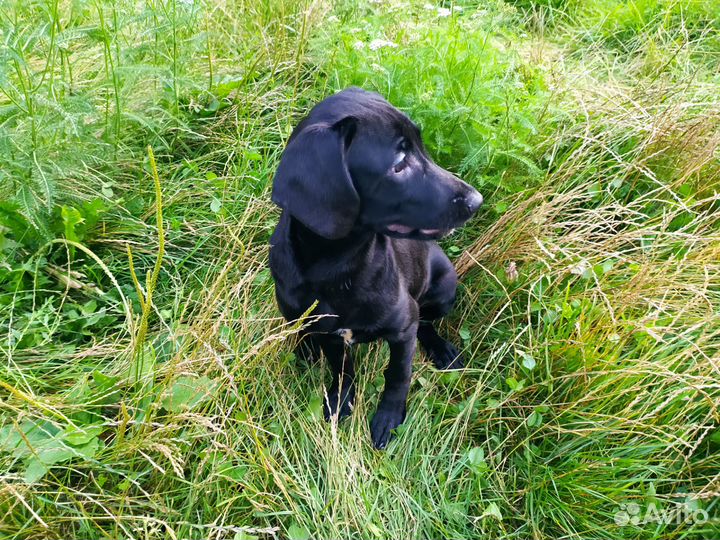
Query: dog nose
pixel 473 200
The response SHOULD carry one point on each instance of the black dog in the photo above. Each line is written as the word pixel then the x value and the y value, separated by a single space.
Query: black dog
pixel 361 203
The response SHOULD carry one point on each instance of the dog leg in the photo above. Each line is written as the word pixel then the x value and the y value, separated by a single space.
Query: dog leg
pixel 391 410
pixel 341 393
pixel 443 354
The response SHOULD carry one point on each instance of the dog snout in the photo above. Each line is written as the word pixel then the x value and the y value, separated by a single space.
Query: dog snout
pixel 468 202
pixel 472 201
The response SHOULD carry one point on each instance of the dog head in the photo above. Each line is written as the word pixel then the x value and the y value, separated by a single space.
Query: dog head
pixel 357 162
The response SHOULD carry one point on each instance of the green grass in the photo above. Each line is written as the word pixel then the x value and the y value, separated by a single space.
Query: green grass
pixel 160 399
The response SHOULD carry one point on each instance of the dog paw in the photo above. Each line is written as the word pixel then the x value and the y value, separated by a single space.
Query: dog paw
pixel 446 356
pixel 330 404
pixel 385 420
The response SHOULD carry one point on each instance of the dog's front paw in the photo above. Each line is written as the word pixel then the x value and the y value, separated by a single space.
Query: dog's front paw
pixel 333 404
pixel 385 420
pixel 446 356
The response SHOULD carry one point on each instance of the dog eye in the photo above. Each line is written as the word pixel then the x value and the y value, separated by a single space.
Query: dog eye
pixel 400 162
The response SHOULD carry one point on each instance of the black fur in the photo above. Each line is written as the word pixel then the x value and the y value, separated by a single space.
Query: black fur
pixel 362 202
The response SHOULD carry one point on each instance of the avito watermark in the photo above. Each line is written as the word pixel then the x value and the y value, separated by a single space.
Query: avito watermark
pixel 634 514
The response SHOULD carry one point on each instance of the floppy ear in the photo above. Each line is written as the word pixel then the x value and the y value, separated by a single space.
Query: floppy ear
pixel 312 181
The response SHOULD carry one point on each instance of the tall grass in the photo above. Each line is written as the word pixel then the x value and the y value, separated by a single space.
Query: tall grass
pixel 588 310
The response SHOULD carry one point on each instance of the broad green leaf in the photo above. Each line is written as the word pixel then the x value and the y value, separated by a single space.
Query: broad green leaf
pixel 71 219
pixel 9 438
pixel 476 456
pixel 493 511
pixel 34 471
pixel 81 435
pixel 54 451
pixel 242 535
pixel 89 449
pixel 298 532
pixel 235 472
pixel 104 382
pixel 315 407
pixel 34 434
pixel 535 419
pixel 186 393
pixel 528 361
pixel 514 384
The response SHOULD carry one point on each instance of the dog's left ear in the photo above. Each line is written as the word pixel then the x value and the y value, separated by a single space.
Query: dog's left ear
pixel 312 181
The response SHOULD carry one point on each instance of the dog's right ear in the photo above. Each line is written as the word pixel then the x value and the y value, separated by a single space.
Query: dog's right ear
pixel 312 181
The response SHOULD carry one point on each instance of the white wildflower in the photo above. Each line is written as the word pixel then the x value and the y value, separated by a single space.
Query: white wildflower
pixel 376 44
